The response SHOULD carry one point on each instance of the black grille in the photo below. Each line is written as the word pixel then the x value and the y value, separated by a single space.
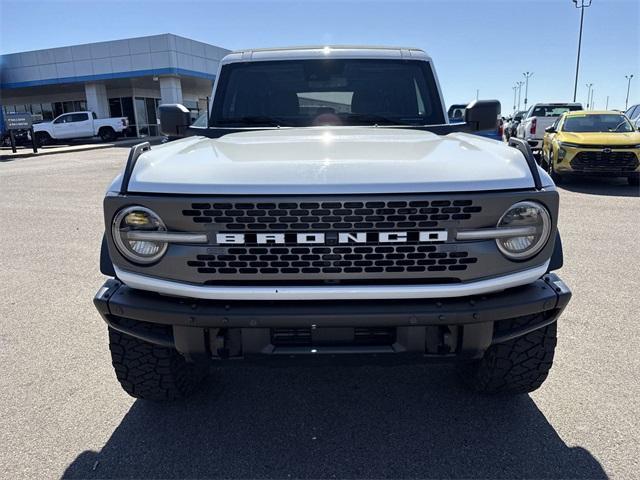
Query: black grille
pixel 362 336
pixel 328 216
pixel 274 260
pixel 600 161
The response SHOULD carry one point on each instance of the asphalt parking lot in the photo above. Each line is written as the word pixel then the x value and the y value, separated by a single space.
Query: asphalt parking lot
pixel 62 413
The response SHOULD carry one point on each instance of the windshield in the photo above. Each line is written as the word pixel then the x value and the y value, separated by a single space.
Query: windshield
pixel 553 110
pixel 327 92
pixel 597 123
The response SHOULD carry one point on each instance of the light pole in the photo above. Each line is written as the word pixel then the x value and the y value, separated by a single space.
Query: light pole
pixel 628 77
pixel 519 84
pixel 588 85
pixel 607 105
pixel 514 88
pixel 581 4
pixel 527 75
pixel 592 106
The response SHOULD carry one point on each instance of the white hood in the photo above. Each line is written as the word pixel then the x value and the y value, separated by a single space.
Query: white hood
pixel 327 160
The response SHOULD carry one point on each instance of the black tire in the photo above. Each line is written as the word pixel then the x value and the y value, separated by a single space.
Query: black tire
pixel 557 178
pixel 149 371
pixel 515 367
pixel 107 134
pixel 635 181
pixel 43 138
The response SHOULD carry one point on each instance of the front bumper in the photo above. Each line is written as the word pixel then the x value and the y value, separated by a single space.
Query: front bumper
pixel 440 328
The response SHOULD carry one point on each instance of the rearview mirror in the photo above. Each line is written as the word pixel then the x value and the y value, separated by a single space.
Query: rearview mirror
pixel 482 114
pixel 174 119
pixel 550 129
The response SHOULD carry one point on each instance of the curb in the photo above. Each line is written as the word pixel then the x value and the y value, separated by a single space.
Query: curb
pixel 77 148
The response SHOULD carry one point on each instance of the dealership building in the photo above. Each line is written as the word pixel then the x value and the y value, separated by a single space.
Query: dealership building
pixel 128 77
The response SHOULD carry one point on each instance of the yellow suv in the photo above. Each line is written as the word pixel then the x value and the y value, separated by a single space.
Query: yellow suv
pixel 597 143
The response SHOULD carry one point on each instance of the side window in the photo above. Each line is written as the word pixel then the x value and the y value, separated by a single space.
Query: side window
pixel 61 119
pixel 635 112
pixel 558 124
pixel 78 117
pixel 93 114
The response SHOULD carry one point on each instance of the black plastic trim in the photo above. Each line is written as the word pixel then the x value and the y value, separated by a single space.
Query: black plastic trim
pixel 106 265
pixel 134 154
pixel 557 257
pixel 531 160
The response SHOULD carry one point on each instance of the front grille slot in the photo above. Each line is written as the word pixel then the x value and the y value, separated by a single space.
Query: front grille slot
pixel 275 260
pixel 330 216
pixel 599 161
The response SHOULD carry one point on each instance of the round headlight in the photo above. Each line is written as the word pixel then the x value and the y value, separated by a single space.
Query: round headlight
pixel 525 214
pixel 128 230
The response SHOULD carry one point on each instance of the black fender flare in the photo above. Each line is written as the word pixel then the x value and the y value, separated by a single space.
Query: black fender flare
pixel 557 257
pixel 106 266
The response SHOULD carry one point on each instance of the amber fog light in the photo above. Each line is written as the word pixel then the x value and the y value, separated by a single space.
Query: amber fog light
pixel 130 230
pixel 525 214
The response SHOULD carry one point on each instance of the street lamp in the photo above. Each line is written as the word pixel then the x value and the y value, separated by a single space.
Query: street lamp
pixel 588 85
pixel 526 88
pixel 581 4
pixel 519 84
pixel 628 77
pixel 514 88
pixel 593 107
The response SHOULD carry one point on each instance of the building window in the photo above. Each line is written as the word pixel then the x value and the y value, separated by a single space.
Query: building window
pixel 147 116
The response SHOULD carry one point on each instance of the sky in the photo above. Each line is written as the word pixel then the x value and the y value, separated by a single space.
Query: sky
pixel 483 45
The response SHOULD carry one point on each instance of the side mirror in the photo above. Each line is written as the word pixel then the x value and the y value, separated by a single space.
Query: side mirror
pixel 550 129
pixel 482 114
pixel 174 119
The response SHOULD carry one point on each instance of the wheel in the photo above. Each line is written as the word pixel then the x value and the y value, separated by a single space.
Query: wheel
pixel 635 181
pixel 43 138
pixel 557 178
pixel 107 134
pixel 149 371
pixel 518 366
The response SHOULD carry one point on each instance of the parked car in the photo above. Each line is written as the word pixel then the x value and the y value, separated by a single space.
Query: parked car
pixel 80 125
pixel 633 114
pixel 539 117
pixel 360 225
pixel 511 126
pixel 596 143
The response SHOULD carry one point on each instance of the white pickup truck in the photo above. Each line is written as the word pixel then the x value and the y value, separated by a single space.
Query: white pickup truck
pixel 80 125
pixel 539 117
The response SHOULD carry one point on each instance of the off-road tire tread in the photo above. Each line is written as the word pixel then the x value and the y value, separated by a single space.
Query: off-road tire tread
pixel 517 366
pixel 149 371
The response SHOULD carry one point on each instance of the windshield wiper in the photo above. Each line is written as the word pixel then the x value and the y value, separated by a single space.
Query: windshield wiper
pixel 618 126
pixel 374 119
pixel 254 120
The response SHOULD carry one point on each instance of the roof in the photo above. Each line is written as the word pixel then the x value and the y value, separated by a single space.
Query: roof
pixel 592 112
pixel 126 58
pixel 324 51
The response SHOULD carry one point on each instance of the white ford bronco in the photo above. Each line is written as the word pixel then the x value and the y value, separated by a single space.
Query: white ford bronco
pixel 327 211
